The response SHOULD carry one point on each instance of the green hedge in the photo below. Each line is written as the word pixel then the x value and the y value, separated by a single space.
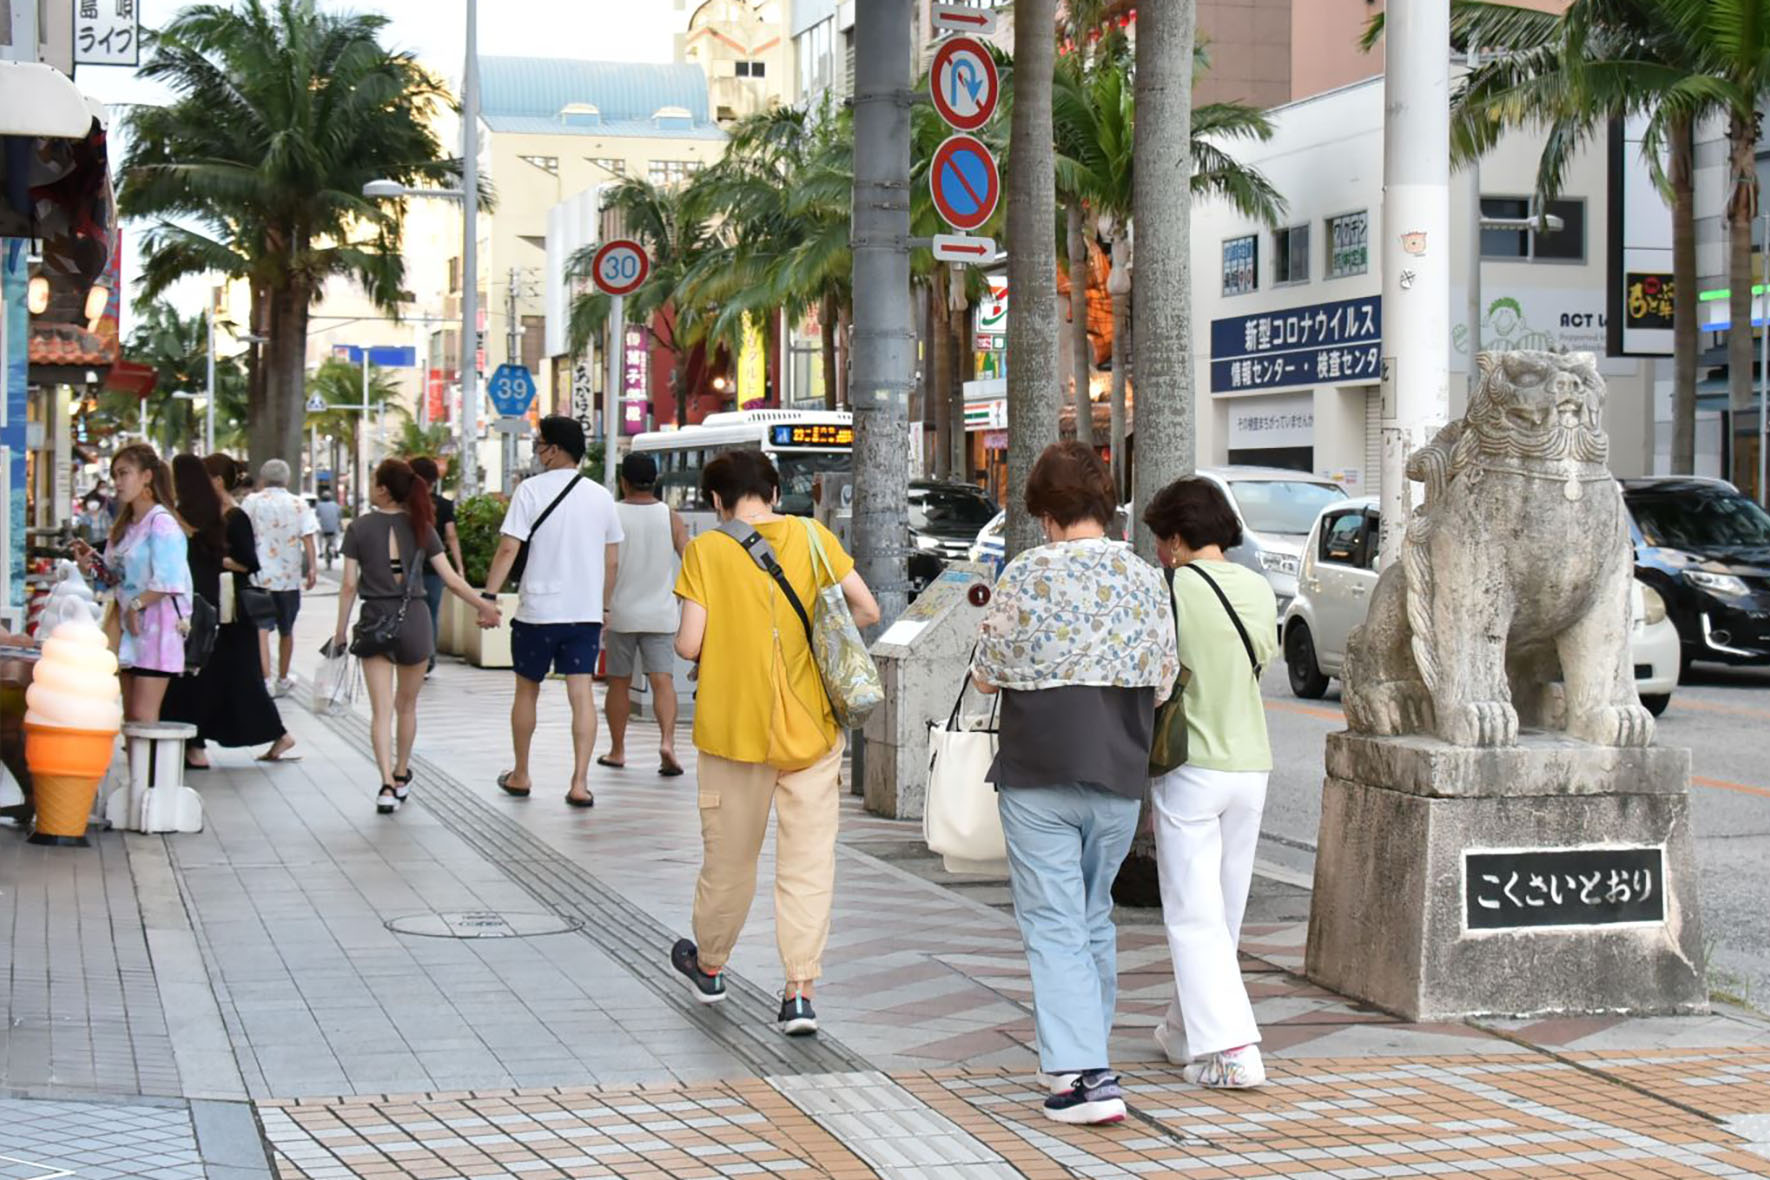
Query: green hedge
pixel 477 519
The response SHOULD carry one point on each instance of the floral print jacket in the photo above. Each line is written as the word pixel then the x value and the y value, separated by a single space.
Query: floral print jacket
pixel 1079 612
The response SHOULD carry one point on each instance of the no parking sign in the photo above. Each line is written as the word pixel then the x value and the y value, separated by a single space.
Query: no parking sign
pixel 965 182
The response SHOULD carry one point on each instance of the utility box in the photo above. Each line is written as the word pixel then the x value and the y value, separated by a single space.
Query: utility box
pixel 832 505
pixel 923 660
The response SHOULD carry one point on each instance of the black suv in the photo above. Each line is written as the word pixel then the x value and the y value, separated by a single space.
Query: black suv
pixel 1706 549
pixel 944 519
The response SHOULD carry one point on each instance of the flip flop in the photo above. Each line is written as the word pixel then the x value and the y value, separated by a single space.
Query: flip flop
pixel 587 801
pixel 504 785
pixel 602 760
pixel 278 758
pixel 670 768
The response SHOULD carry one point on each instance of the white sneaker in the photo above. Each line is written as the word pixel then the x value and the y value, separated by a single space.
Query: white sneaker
pixel 285 686
pixel 1232 1069
pixel 1172 1045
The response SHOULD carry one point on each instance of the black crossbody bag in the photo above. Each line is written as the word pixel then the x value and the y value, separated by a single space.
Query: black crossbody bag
pixel 522 553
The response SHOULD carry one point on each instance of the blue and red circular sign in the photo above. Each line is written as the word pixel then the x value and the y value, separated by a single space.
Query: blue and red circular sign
pixel 965 182
pixel 963 83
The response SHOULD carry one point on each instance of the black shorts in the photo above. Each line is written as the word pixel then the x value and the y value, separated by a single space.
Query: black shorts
pixel 288 604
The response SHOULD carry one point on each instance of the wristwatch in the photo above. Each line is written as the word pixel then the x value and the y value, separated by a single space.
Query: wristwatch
pixel 488 596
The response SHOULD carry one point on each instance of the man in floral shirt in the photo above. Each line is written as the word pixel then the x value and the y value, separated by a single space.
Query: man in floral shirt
pixel 285 527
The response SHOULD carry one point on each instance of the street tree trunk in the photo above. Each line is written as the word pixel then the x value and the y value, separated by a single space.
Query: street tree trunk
pixel 1082 359
pixel 826 335
pixel 277 421
pixel 1161 306
pixel 1685 337
pixel 882 341
pixel 940 376
pixel 1034 383
pixel 960 356
pixel 1161 302
pixel 1742 210
pixel 1118 285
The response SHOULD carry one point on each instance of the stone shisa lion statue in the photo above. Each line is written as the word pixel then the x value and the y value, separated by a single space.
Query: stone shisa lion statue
pixel 1510 603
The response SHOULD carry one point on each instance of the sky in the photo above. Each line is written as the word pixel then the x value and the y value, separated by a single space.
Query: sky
pixel 435 30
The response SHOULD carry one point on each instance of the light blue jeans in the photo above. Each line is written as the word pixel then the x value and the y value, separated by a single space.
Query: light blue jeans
pixel 1065 845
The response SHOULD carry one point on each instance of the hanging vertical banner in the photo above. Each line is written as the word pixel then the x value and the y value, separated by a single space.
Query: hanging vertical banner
pixel 752 371
pixel 635 379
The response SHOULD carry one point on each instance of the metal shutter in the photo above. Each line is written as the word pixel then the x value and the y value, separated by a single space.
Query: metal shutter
pixel 1373 440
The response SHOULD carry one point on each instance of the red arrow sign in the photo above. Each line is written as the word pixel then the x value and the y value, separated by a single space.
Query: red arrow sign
pixel 963 248
pixel 963 18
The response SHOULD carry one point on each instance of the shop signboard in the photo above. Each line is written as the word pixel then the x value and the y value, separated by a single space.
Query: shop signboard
pixel 1266 423
pixel 635 378
pixel 1638 299
pixel 1334 343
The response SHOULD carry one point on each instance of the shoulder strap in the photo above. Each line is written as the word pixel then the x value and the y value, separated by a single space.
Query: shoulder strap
pixel 548 511
pixel 1246 643
pixel 762 553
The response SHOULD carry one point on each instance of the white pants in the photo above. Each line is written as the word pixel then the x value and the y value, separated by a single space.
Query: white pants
pixel 1207 823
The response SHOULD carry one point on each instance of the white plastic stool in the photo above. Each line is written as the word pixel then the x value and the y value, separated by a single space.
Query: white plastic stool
pixel 156 799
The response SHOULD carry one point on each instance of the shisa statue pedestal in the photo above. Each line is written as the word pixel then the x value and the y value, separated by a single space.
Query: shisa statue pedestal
pixel 1464 869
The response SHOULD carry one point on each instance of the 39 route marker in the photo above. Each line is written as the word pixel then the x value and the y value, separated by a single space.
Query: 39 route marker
pixel 620 267
pixel 963 248
pixel 962 18
pixel 963 83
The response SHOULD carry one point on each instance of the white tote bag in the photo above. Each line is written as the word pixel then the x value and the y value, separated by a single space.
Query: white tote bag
pixel 959 816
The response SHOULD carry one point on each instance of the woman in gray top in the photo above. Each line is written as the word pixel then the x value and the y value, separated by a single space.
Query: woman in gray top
pixel 383 551
pixel 1079 640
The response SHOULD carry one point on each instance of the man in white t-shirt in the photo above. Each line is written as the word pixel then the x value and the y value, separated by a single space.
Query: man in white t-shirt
pixel 573 539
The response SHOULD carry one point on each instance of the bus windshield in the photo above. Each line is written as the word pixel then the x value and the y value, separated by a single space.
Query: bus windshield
pixel 799 469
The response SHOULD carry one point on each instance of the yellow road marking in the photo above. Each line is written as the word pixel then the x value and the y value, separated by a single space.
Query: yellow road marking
pixel 1722 784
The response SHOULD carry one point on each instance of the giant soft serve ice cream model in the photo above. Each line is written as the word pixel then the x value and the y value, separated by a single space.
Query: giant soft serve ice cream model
pixel 74 709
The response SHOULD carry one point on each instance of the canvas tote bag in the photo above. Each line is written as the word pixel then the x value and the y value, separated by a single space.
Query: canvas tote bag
pixel 960 820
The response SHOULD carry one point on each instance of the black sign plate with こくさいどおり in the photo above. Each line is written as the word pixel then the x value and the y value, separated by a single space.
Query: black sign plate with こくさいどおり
pixel 1563 887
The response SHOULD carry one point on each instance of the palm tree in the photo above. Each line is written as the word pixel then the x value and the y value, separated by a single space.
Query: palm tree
pixel 339 384
pixel 176 347
pixel 668 223
pixel 417 440
pixel 255 170
pixel 1033 379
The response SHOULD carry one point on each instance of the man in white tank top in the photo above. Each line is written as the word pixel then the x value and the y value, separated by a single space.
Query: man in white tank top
pixel 641 622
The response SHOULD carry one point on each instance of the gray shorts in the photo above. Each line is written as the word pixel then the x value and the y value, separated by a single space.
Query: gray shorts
pixel 656 651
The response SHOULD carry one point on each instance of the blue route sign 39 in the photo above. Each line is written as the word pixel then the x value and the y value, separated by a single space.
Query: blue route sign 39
pixel 512 390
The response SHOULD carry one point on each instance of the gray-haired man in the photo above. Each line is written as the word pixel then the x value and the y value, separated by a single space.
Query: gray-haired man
pixel 285 528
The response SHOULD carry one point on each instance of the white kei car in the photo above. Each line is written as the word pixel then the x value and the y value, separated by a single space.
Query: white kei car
pixel 1334 590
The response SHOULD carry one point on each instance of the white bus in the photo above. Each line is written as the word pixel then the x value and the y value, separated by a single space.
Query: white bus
pixel 802 444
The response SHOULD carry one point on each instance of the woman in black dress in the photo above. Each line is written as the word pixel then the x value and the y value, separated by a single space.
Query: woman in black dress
pixel 227 700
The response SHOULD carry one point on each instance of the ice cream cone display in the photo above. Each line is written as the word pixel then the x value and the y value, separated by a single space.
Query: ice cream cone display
pixel 74 709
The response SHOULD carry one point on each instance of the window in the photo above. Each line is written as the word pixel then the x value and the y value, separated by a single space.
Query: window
pixel 549 164
pixel 609 164
pixel 1348 244
pixel 752 69
pixel 1241 264
pixel 815 50
pixel 679 480
pixel 1567 244
pixel 671 172
pixel 1342 537
pixel 1290 255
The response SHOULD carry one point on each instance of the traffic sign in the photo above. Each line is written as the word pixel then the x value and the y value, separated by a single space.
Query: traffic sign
pixel 963 248
pixel 511 389
pixel 962 18
pixel 620 267
pixel 316 404
pixel 964 83
pixel 965 182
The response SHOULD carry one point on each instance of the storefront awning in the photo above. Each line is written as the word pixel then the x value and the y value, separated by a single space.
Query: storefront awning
pixel 41 102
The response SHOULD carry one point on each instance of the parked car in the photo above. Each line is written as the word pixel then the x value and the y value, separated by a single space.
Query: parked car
pixel 1276 507
pixel 1339 575
pixel 944 518
pixel 1706 549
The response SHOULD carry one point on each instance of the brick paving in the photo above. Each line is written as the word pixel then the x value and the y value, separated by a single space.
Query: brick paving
pixel 255 960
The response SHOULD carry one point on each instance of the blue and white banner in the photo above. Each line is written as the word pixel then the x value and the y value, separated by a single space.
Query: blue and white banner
pixel 1318 344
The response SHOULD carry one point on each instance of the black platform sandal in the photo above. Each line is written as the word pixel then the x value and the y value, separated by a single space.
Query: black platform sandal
pixel 402 783
pixel 388 801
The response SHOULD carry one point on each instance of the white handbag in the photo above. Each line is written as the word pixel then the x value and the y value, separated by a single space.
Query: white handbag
pixel 960 820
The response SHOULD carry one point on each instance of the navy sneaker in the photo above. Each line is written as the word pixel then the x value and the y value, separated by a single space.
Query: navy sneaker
pixel 708 989
pixel 796 1018
pixel 1095 1098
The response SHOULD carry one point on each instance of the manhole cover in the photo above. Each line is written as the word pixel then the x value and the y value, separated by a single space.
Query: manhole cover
pixel 483 924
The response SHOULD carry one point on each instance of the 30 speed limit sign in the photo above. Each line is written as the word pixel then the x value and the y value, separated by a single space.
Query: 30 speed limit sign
pixel 620 267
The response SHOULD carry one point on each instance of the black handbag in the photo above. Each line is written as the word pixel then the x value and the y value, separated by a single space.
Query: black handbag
pixel 199 633
pixel 257 605
pixel 522 552
pixel 380 636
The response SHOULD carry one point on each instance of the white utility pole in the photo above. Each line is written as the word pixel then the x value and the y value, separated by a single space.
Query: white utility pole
pixel 1415 246
pixel 611 392
pixel 468 428
pixel 1764 373
pixel 362 441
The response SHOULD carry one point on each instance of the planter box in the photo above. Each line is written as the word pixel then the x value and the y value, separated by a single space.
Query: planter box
pixel 452 620
pixel 489 649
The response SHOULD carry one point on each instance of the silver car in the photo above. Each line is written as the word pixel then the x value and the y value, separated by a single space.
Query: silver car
pixel 1276 508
